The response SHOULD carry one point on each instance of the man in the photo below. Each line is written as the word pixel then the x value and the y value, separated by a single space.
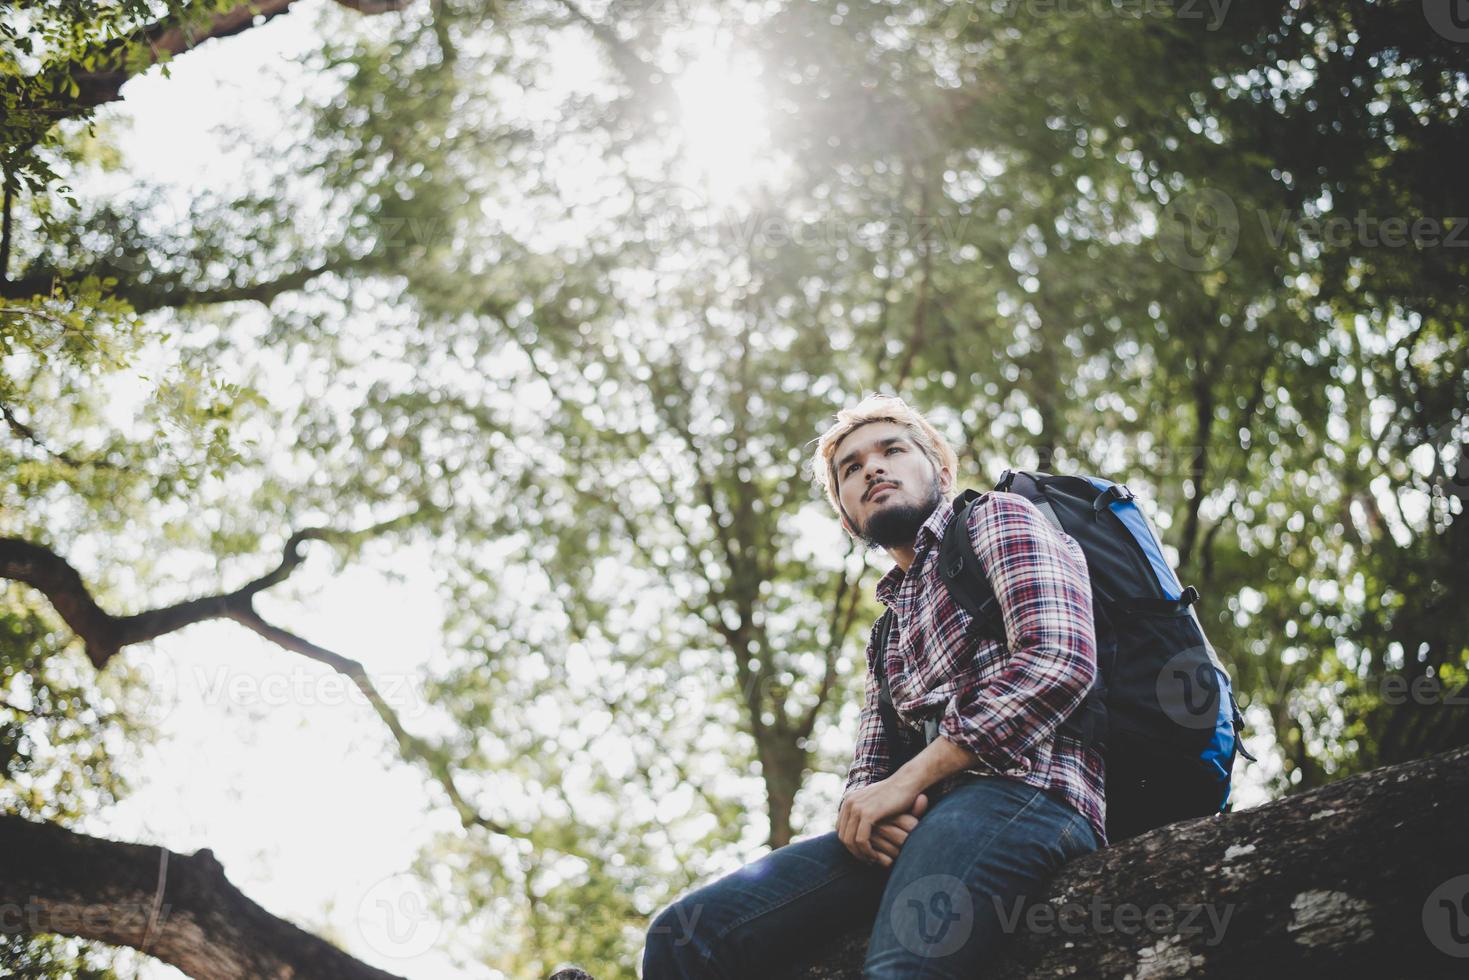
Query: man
pixel 937 855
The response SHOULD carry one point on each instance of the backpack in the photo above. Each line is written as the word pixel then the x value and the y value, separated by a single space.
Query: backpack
pixel 1162 710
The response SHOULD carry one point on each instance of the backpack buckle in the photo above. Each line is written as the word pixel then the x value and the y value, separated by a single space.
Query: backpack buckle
pixel 1117 491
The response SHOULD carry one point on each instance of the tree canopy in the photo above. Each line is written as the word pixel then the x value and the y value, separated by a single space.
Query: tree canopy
pixel 560 293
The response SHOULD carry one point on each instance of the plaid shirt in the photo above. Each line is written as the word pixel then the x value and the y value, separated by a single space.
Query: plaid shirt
pixel 1000 700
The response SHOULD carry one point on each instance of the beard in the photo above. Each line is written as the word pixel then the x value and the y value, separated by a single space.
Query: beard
pixel 898 525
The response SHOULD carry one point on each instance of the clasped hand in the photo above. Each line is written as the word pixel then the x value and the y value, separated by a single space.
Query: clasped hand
pixel 874 821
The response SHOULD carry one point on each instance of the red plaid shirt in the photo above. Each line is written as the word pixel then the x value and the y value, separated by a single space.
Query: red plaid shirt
pixel 1000 700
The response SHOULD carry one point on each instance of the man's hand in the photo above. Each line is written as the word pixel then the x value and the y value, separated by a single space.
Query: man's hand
pixel 889 836
pixel 865 821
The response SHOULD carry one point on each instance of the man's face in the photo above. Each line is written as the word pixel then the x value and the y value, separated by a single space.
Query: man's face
pixel 886 486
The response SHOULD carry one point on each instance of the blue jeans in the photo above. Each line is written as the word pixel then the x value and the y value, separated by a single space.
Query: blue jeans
pixel 941 910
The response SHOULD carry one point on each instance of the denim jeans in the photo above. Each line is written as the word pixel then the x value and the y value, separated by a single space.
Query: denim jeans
pixel 940 910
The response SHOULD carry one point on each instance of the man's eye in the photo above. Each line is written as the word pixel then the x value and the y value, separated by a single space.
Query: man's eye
pixel 895 449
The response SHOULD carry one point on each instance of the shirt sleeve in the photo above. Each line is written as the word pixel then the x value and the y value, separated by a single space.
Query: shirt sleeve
pixel 871 759
pixel 1040 579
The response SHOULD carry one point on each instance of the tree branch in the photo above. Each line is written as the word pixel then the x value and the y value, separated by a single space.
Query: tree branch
pixel 1303 882
pixel 122 58
pixel 179 908
pixel 105 634
pixel 42 282
pixel 28 434
pixel 5 223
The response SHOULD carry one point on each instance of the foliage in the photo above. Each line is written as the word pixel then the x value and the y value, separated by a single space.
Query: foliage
pixel 506 298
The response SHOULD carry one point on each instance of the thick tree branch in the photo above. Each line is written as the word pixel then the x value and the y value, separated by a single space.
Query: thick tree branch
pixel 179 908
pixel 145 299
pixel 1300 887
pixel 142 301
pixel 8 193
pixel 105 634
pixel 122 58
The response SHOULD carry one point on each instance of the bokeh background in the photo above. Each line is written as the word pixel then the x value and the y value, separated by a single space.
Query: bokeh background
pixel 535 308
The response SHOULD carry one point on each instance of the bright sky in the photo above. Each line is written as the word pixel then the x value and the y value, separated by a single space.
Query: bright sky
pixel 266 758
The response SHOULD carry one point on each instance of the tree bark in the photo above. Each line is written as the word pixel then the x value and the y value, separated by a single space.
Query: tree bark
pixel 178 908
pixel 1356 878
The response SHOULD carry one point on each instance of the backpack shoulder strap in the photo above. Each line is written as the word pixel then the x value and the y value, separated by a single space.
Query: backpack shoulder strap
pixel 1028 485
pixel 970 588
pixel 961 573
pixel 901 743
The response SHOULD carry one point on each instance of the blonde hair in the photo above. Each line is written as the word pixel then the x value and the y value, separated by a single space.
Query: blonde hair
pixel 879 408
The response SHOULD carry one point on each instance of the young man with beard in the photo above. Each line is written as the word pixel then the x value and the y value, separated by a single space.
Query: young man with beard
pixel 938 854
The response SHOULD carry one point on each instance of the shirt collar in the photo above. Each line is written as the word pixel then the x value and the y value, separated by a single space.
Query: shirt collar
pixel 928 533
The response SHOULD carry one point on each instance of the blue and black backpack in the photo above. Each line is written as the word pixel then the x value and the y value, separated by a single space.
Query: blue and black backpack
pixel 1162 711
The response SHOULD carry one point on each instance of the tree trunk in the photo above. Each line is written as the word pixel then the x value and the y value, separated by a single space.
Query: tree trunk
pixel 782 764
pixel 178 908
pixel 1364 877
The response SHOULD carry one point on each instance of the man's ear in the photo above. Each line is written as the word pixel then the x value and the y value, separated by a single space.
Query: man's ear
pixel 946 479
